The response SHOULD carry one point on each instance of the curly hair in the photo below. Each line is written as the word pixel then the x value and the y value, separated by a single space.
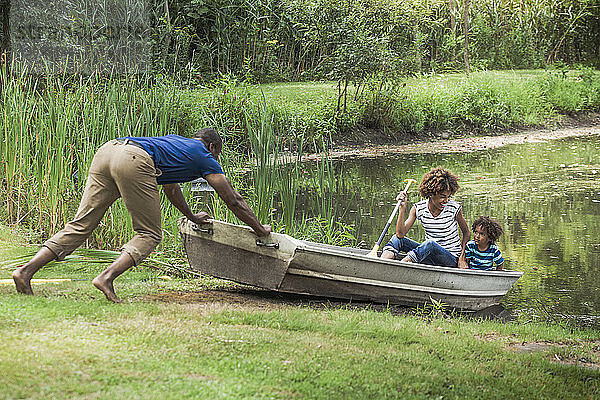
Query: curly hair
pixel 438 180
pixel 490 226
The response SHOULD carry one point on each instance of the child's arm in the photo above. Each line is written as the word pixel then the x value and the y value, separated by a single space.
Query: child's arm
pixel 403 226
pixel 498 259
pixel 468 254
pixel 466 236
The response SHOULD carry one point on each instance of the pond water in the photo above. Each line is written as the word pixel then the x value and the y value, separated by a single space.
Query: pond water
pixel 546 196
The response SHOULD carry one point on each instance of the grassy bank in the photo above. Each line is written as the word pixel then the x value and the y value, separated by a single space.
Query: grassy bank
pixel 483 102
pixel 405 108
pixel 180 339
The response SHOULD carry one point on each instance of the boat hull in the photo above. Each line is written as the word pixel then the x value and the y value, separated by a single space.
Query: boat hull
pixel 282 263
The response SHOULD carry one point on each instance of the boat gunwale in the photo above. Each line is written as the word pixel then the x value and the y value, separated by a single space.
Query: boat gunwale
pixel 314 247
pixel 396 285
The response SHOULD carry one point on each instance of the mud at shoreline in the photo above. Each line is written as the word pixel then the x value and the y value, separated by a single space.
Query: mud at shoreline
pixel 591 127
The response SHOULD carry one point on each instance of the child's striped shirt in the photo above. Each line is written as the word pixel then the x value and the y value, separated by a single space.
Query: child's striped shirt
pixel 483 259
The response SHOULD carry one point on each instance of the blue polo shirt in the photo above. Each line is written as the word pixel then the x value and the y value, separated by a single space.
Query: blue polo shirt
pixel 178 158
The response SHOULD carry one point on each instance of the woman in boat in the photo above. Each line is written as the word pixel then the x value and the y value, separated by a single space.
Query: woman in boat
pixel 441 219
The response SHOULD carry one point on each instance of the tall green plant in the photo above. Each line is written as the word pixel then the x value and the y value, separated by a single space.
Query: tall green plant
pixel 288 182
pixel 262 134
pixel 325 183
pixel 50 129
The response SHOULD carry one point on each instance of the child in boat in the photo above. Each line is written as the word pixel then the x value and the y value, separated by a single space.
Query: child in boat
pixel 482 252
pixel 440 218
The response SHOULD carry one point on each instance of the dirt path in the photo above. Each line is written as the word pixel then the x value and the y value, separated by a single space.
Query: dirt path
pixel 256 298
pixel 469 144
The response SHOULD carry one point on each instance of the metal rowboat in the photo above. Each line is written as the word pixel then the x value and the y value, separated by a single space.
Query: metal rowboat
pixel 281 263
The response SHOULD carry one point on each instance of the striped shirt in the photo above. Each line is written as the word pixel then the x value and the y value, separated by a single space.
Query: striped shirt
pixel 483 259
pixel 442 229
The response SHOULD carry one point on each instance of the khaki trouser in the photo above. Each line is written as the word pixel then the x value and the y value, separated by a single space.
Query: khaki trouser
pixel 117 170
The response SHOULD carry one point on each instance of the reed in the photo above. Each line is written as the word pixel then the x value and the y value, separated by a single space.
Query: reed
pixel 262 133
pixel 288 183
pixel 51 127
pixel 325 183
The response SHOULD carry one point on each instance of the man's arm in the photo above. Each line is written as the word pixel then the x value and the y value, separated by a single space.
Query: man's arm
pixel 466 236
pixel 175 196
pixel 236 203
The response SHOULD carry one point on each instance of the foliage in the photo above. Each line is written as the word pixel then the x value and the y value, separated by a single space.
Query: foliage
pixel 350 40
pixel 484 101
pixel 198 41
pixel 571 93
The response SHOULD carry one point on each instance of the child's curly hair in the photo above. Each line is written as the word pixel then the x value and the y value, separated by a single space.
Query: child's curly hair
pixel 490 226
pixel 438 180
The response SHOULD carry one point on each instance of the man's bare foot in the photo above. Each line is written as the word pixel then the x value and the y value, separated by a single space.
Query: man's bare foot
pixel 22 282
pixel 406 259
pixel 106 287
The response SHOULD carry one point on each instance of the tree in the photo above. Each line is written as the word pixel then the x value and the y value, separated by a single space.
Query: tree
pixel 466 33
pixel 5 40
pixel 452 6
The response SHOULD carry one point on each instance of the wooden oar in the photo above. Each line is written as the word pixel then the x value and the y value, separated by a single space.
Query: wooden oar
pixel 373 252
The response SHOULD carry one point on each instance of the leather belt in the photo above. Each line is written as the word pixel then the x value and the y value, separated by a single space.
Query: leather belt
pixel 131 142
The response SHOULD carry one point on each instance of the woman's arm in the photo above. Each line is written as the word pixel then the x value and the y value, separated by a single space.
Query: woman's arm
pixel 402 226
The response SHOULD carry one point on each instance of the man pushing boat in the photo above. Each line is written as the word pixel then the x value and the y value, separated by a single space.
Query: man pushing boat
pixel 132 168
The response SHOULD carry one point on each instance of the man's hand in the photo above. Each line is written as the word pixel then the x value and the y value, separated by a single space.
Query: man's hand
pixel 267 230
pixel 462 264
pixel 200 218
pixel 236 203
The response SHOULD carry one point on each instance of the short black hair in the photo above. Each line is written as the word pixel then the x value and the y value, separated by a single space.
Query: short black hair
pixel 490 226
pixel 208 136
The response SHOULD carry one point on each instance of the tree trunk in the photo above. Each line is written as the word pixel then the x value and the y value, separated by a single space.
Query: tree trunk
pixel 466 33
pixel 452 7
pixel 453 28
pixel 5 45
pixel 339 100
pixel 419 58
pixel 167 39
pixel 345 94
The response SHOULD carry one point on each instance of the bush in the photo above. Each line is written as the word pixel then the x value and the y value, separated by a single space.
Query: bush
pixel 570 93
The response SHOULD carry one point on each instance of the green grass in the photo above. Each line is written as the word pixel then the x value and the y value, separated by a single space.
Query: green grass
pixel 69 342
pixel 405 107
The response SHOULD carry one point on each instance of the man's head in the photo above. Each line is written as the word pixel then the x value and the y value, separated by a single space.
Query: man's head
pixel 211 139
pixel 437 181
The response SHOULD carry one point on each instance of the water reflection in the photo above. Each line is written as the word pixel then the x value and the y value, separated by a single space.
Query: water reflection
pixel 546 195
